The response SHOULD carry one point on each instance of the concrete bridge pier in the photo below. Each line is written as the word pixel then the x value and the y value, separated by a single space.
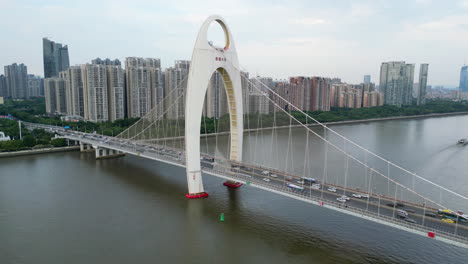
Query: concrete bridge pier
pixel 72 142
pixel 104 153
pixel 86 147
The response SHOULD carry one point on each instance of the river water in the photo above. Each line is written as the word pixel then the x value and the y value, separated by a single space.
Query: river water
pixel 70 208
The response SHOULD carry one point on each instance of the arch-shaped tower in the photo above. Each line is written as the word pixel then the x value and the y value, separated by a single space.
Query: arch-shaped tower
pixel 206 59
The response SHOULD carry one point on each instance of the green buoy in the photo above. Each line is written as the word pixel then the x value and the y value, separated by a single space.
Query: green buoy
pixel 221 217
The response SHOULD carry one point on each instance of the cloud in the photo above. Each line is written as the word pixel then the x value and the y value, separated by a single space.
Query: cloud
pixel 451 22
pixel 300 36
pixel 308 21
pixel 362 10
pixel 423 1
pixel 464 3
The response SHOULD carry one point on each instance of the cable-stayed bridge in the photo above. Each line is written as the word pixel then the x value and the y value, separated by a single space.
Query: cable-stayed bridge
pixel 284 151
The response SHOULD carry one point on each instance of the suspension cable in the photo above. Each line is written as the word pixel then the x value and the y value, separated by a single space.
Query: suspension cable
pixel 352 157
pixel 359 146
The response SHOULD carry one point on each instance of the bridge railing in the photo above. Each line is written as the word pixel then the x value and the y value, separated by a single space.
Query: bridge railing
pixel 253 181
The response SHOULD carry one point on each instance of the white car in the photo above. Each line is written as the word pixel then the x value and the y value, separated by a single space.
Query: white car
pixel 266 179
pixel 274 176
pixel 341 199
pixel 365 196
pixel 355 195
pixel 265 172
pixel 332 189
pixel 345 197
pixel 315 186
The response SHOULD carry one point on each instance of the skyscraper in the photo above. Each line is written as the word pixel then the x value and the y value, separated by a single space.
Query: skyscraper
pixel 320 94
pixel 3 86
pixel 74 86
pixel 216 104
pixel 55 58
pixel 259 102
pixel 408 87
pixel 55 96
pixel 396 82
pixel 245 91
pixel 95 92
pixel 464 79
pixel 17 81
pixel 144 85
pixel 116 92
pixel 174 89
pixel 106 61
pixel 423 70
pixel 49 93
pixel 35 85
pixel 367 79
pixel 300 91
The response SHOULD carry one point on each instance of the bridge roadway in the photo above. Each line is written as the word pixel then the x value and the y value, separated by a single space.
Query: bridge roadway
pixel 375 208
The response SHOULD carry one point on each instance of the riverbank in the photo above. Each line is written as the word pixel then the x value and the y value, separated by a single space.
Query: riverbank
pixel 38 151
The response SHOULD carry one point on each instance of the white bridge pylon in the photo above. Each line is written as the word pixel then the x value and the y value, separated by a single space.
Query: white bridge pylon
pixel 206 59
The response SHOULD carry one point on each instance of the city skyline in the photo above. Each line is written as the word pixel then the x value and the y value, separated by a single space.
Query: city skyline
pixel 322 44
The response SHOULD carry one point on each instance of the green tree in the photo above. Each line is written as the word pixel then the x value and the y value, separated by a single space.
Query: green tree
pixel 58 142
pixel 29 141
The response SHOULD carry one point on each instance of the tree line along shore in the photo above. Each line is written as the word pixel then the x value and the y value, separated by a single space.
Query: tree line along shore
pixel 33 110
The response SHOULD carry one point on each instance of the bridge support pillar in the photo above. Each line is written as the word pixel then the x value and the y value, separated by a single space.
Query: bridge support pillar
pixel 232 184
pixel 207 59
pixel 85 147
pixel 104 153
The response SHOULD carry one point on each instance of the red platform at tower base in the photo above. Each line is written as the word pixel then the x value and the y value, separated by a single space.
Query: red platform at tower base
pixel 232 184
pixel 196 195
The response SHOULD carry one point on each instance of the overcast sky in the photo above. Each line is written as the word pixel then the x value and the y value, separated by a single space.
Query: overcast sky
pixel 345 39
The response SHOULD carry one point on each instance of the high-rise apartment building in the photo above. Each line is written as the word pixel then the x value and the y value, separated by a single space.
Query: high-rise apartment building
pixel 95 91
pixel 245 91
pixel 282 88
pixel 55 96
pixel 300 90
pixel 215 97
pixel 396 82
pixel 423 70
pixel 55 58
pixel 68 94
pixel 174 89
pixel 49 94
pixel 106 61
pixel 3 86
pixel 16 76
pixel 408 87
pixel 116 92
pixel 367 79
pixel 354 95
pixel 157 88
pixel 464 79
pixel 259 102
pixel 35 85
pixel 144 85
pixel 74 87
pixel 319 99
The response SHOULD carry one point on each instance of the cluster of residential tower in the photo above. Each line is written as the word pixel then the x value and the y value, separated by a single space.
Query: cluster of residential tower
pixel 103 90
